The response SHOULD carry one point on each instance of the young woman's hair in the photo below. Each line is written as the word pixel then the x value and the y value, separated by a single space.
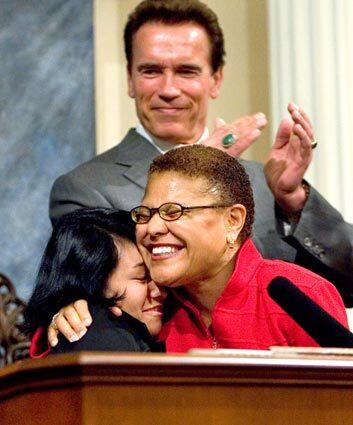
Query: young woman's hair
pixel 81 253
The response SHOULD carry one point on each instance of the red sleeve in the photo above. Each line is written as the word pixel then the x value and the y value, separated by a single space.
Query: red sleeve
pixel 39 345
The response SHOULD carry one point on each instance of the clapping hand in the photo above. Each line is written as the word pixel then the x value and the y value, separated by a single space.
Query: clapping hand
pixel 289 158
pixel 240 134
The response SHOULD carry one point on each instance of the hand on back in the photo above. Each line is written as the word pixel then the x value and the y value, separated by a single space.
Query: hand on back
pixel 72 321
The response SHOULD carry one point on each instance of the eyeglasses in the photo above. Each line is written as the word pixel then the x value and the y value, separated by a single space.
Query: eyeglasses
pixel 169 211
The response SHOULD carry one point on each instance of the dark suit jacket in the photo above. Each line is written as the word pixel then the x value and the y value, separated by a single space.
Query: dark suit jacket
pixel 322 241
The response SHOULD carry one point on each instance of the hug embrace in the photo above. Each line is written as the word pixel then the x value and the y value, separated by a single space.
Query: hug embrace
pixel 194 278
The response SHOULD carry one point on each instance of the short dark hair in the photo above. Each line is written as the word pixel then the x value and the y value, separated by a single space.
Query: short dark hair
pixel 80 255
pixel 174 12
pixel 226 177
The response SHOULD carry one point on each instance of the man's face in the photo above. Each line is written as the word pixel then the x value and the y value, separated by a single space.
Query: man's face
pixel 171 80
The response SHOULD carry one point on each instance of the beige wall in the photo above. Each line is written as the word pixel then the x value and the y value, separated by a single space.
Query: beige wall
pixel 246 85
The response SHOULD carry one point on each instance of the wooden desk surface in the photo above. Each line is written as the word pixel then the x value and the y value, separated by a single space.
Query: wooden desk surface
pixel 101 388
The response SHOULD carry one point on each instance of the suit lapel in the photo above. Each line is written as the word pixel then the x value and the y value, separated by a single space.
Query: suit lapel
pixel 137 153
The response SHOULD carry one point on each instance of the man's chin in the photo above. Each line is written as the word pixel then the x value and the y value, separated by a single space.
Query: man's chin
pixel 172 132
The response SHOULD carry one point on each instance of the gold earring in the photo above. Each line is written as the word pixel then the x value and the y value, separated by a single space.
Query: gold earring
pixel 230 241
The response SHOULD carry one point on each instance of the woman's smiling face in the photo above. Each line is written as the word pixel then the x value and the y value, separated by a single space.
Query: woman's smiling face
pixel 142 298
pixel 192 248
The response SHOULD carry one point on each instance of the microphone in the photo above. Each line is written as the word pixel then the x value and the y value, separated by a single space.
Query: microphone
pixel 320 325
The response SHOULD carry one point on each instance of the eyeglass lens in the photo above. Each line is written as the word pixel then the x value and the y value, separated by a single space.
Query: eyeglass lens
pixel 167 212
pixel 170 211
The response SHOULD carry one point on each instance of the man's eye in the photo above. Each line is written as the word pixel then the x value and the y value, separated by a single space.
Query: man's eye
pixel 151 71
pixel 187 72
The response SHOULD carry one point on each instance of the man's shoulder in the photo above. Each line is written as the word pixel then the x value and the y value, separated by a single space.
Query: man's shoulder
pixel 115 179
pixel 262 193
pixel 133 149
pixel 125 151
pixel 252 167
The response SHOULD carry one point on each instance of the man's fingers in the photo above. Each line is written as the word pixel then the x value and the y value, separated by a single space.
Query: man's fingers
pixel 245 131
pixel 243 143
pixel 81 307
pixel 261 120
pixel 258 122
pixel 303 136
pixel 246 124
pixel 300 117
pixel 306 117
pixel 242 126
pixel 219 122
pixel 300 120
pixel 247 140
pixel 293 107
pixel 255 134
pixel 283 133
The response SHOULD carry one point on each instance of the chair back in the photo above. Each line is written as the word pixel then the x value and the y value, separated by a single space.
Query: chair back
pixel 14 343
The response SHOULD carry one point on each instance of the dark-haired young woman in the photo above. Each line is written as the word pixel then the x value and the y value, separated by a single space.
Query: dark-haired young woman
pixel 91 255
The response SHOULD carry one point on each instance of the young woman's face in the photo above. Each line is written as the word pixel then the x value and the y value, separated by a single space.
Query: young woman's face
pixel 142 298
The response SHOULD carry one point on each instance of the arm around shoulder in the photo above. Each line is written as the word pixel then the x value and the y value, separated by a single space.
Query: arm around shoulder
pixel 107 333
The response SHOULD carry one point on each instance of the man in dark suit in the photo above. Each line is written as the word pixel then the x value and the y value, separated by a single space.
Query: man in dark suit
pixel 175 58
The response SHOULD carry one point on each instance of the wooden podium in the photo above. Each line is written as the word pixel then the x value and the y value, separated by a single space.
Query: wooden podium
pixel 159 389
